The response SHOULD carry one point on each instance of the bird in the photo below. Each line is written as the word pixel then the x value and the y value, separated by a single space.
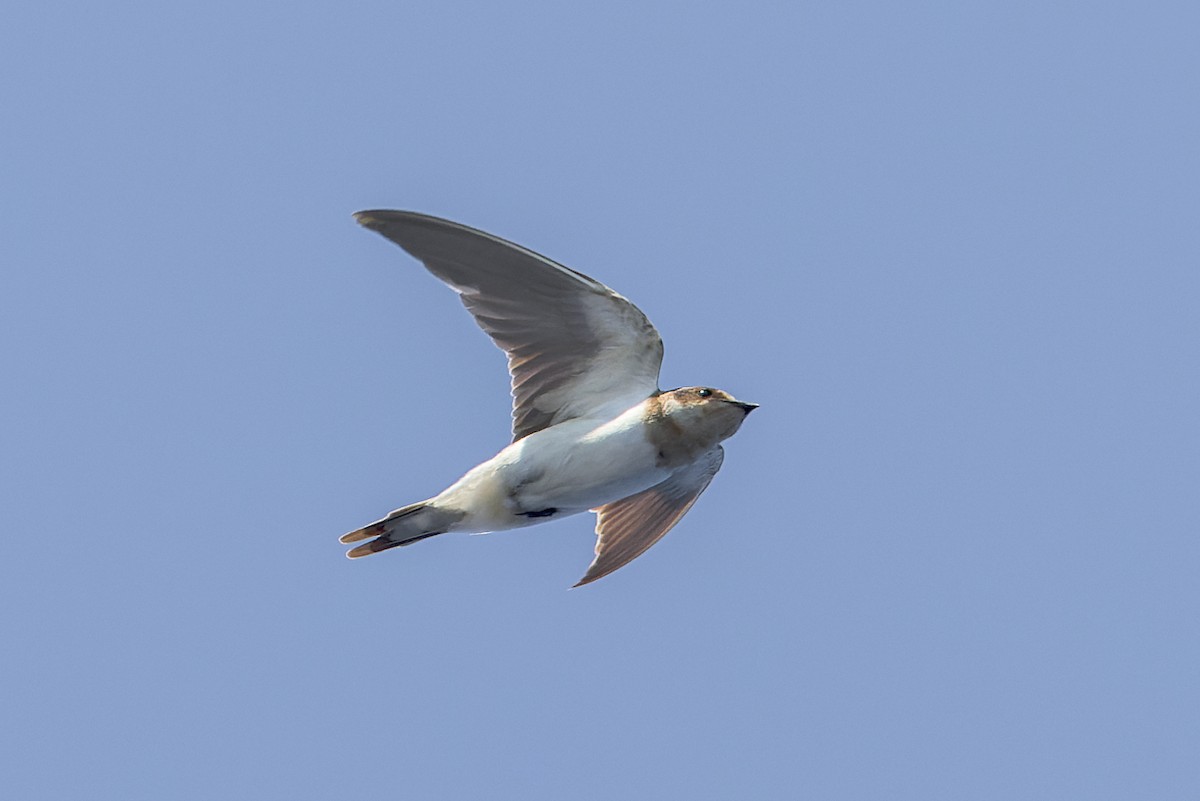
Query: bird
pixel 591 429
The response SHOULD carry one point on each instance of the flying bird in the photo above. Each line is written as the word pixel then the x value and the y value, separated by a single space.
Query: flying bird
pixel 591 429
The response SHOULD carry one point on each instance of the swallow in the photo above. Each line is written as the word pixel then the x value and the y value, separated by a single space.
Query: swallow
pixel 591 429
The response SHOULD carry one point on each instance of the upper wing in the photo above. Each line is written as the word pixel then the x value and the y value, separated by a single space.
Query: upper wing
pixel 575 348
pixel 626 528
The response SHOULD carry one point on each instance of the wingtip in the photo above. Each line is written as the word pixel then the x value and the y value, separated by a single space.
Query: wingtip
pixel 367 219
pixel 588 578
pixel 378 219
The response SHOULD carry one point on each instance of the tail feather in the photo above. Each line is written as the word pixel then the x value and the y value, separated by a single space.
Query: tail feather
pixel 402 527
pixel 380 526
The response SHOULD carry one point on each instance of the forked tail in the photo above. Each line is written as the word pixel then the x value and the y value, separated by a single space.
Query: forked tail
pixel 402 527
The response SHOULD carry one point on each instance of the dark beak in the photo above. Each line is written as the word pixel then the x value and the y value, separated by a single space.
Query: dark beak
pixel 745 407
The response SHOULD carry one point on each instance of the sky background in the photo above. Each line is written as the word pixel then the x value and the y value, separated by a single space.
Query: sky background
pixel 951 248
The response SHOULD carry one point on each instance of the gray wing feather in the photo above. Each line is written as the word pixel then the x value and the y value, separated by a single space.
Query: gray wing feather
pixel 575 347
pixel 626 528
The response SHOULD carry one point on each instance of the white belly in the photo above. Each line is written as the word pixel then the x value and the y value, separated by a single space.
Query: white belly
pixel 568 468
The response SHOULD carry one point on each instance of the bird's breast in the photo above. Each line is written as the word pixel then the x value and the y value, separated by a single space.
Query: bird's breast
pixel 674 443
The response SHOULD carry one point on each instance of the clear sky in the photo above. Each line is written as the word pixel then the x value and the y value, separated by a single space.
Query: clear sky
pixel 951 248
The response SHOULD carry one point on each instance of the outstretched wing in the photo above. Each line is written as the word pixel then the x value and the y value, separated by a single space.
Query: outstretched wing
pixel 575 348
pixel 626 528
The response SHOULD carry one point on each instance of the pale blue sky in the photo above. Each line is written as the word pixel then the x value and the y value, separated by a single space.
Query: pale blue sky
pixel 951 248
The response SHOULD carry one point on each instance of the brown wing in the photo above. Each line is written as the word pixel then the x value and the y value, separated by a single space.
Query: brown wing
pixel 575 348
pixel 626 528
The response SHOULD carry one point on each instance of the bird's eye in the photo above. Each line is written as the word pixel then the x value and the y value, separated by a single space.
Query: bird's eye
pixel 704 393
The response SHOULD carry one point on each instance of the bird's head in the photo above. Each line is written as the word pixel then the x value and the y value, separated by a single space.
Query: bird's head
pixel 710 414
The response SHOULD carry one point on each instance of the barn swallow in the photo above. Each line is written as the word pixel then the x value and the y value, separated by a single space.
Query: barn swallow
pixel 591 429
